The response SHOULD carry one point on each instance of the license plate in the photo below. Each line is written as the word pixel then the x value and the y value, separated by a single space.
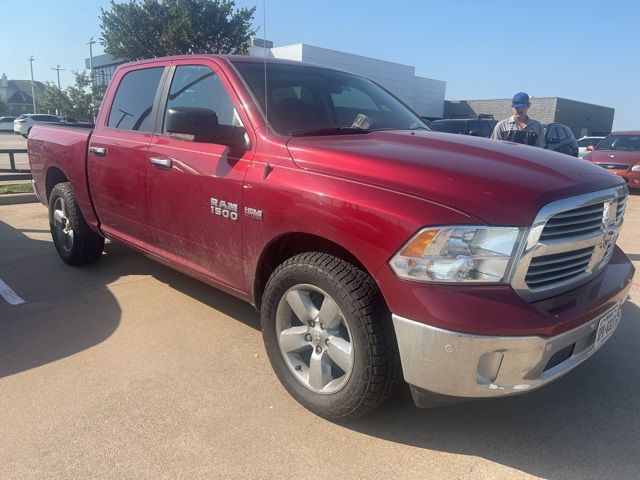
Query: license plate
pixel 607 326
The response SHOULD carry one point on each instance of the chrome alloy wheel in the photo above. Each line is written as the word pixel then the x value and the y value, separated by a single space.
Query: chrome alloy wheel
pixel 314 339
pixel 62 224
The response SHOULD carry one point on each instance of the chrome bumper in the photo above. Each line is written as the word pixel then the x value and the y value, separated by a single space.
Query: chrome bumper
pixel 474 366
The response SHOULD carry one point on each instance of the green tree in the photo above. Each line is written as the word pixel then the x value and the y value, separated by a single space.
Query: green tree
pixel 80 100
pixel 140 29
pixel 53 100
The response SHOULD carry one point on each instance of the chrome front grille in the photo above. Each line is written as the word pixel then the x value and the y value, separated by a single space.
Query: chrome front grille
pixel 622 206
pixel 560 267
pixel 570 241
pixel 579 221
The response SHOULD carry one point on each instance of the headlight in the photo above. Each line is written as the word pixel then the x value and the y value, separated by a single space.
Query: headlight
pixel 636 168
pixel 458 254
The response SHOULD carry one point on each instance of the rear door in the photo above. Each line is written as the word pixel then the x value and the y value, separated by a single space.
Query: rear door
pixel 117 158
pixel 195 187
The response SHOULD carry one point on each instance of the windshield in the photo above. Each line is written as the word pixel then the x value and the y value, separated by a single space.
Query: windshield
pixel 455 126
pixel 630 143
pixel 585 142
pixel 305 100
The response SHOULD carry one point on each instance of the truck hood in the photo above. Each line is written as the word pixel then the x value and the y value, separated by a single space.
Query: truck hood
pixel 500 182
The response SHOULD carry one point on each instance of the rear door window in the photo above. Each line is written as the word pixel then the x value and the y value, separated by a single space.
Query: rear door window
pixel 552 135
pixel 133 102
pixel 562 135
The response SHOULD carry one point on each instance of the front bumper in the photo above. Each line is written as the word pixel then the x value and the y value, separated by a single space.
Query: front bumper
pixel 504 347
pixel 467 365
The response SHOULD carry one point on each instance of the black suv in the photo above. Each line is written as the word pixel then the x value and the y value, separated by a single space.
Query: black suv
pixel 476 125
pixel 560 138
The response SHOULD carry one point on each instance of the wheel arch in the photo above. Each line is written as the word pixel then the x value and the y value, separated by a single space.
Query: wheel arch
pixel 290 244
pixel 53 177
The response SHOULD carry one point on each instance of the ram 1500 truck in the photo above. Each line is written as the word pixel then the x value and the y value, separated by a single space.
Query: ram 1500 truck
pixel 372 247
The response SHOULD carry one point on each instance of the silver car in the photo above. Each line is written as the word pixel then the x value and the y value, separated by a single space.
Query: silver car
pixel 6 124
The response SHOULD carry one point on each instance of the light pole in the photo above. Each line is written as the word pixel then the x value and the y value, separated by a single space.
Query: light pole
pixel 33 90
pixel 58 70
pixel 90 43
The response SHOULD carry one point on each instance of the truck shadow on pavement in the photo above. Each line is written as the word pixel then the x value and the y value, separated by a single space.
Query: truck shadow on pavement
pixel 585 425
pixel 69 309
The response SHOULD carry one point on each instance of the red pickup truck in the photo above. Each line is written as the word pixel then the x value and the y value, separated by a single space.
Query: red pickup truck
pixel 372 247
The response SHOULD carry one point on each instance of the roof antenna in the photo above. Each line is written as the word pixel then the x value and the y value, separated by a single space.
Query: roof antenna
pixel 267 167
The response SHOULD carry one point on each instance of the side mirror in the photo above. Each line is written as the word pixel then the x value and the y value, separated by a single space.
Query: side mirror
pixel 474 133
pixel 203 124
pixel 590 148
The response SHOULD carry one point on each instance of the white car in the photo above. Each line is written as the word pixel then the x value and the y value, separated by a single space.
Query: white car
pixel 23 123
pixel 585 142
pixel 6 124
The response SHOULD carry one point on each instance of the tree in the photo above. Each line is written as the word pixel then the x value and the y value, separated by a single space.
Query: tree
pixel 155 28
pixel 52 99
pixel 80 100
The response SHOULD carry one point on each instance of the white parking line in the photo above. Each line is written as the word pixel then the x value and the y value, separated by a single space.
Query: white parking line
pixel 9 295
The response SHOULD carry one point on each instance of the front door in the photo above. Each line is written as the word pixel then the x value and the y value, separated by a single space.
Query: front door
pixel 117 158
pixel 195 187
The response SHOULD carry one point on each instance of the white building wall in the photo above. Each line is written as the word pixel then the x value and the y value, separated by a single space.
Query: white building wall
pixel 429 97
pixel 424 95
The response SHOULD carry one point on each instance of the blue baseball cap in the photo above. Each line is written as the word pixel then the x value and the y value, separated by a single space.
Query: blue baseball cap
pixel 520 100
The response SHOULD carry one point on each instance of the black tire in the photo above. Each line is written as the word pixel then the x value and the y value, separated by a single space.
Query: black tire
pixel 375 368
pixel 85 246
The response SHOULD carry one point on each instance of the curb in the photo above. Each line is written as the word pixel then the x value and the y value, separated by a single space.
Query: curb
pixel 17 198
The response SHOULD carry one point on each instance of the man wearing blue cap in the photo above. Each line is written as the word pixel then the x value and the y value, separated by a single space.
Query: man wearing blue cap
pixel 519 128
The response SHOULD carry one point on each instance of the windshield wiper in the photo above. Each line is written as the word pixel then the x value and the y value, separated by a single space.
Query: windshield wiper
pixel 331 131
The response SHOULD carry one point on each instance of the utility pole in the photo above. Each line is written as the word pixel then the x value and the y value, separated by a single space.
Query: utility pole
pixel 58 70
pixel 33 89
pixel 90 43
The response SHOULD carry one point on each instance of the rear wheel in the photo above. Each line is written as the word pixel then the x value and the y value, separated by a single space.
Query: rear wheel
pixel 328 336
pixel 75 242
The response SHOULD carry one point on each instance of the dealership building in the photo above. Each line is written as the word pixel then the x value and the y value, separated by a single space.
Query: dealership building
pixel 424 95
pixel 582 118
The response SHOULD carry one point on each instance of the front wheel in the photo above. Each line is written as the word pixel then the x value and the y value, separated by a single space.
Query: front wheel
pixel 328 336
pixel 75 242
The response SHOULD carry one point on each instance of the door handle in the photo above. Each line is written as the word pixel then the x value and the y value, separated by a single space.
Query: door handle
pixel 161 162
pixel 98 151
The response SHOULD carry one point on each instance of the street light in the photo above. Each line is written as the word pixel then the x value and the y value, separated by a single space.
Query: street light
pixel 58 70
pixel 33 90
pixel 90 43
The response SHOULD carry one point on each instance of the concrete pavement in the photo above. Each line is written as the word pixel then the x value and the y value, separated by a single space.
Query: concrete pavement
pixel 127 369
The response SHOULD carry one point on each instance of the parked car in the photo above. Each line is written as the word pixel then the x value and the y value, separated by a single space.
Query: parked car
pixel 24 123
pixel 373 248
pixel 476 126
pixel 560 138
pixel 619 153
pixel 427 122
pixel 585 142
pixel 6 124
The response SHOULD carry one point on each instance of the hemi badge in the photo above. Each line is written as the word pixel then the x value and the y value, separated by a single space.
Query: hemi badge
pixel 253 213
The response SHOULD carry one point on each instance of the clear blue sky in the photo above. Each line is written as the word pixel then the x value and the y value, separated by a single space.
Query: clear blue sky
pixel 582 50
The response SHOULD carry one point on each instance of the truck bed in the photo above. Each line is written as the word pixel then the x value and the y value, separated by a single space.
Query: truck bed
pixel 63 147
